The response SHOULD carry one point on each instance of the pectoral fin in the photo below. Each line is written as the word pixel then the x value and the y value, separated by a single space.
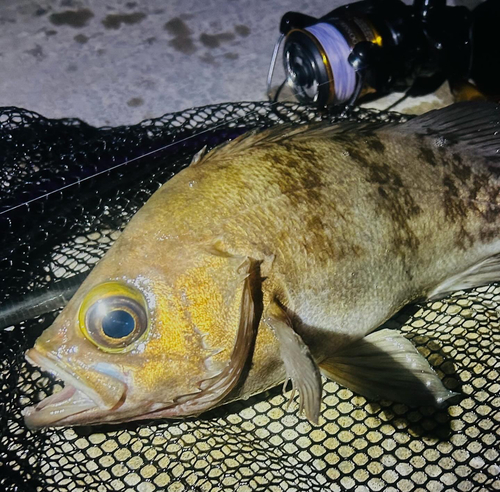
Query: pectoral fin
pixel 385 365
pixel 299 364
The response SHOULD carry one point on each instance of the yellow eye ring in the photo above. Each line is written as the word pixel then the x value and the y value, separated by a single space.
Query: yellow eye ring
pixel 114 316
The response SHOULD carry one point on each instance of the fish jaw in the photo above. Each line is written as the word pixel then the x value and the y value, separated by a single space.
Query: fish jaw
pixel 77 403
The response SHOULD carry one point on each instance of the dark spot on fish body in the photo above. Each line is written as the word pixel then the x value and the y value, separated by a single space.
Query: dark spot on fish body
pixel 231 56
pixel 411 206
pixel 379 172
pixel 427 154
pixel 483 184
pixel 293 178
pixel 209 41
pixel 131 5
pixel 314 223
pixel 304 154
pixel 397 200
pixel 494 171
pixel 488 234
pixel 354 153
pixel 115 21
pixel 492 210
pixel 460 170
pixel 382 193
pixel 74 18
pixel 397 204
pixel 464 239
pixel 455 209
pixel 322 246
pixel 374 143
pixel 409 273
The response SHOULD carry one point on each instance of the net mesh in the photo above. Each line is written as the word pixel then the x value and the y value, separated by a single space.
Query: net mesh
pixel 246 446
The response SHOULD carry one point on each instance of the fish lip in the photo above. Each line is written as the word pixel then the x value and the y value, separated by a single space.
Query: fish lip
pixel 52 410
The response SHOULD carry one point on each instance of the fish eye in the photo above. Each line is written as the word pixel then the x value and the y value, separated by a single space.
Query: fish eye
pixel 113 316
pixel 118 324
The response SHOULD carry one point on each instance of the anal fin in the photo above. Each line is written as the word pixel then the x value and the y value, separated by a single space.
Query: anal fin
pixel 385 365
pixel 300 366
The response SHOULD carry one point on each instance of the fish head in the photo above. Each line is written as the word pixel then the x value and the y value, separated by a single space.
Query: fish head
pixel 137 342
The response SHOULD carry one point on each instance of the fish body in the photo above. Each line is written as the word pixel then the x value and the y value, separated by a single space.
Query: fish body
pixel 277 256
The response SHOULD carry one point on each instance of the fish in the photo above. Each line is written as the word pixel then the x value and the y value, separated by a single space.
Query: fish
pixel 276 258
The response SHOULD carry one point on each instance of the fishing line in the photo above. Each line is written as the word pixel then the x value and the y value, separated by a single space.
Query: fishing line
pixel 128 161
pixel 398 101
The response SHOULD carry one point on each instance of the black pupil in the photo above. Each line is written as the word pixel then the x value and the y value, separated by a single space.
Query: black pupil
pixel 118 324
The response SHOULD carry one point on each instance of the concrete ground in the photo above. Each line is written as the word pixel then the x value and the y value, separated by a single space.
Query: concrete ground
pixel 118 62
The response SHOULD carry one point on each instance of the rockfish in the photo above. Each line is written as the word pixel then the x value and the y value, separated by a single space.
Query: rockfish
pixel 275 257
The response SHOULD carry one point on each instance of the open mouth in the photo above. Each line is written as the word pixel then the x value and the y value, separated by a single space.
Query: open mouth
pixel 57 409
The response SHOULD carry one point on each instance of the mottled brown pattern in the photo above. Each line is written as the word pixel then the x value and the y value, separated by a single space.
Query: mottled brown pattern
pixel 291 179
pixel 349 227
pixel 374 143
pixel 427 155
pixel 455 208
pixel 460 170
pixel 396 201
pixel 468 191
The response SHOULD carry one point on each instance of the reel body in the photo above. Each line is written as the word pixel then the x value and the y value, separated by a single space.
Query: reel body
pixel 370 48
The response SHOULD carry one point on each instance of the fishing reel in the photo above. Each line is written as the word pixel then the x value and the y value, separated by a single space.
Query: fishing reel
pixel 370 48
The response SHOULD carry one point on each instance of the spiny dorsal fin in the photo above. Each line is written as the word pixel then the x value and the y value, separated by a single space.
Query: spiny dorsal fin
pixel 283 132
pixel 198 157
pixel 472 126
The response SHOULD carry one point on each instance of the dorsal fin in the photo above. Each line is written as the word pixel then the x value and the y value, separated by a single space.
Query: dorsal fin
pixel 471 126
pixel 282 132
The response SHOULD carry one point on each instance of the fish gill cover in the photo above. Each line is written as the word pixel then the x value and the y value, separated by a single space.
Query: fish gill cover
pixel 252 445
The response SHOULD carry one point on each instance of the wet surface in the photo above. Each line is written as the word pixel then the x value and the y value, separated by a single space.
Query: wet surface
pixel 90 59
pixel 182 41
pixel 115 21
pixel 73 18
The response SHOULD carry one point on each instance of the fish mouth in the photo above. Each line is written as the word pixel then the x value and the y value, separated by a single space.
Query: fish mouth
pixel 67 405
